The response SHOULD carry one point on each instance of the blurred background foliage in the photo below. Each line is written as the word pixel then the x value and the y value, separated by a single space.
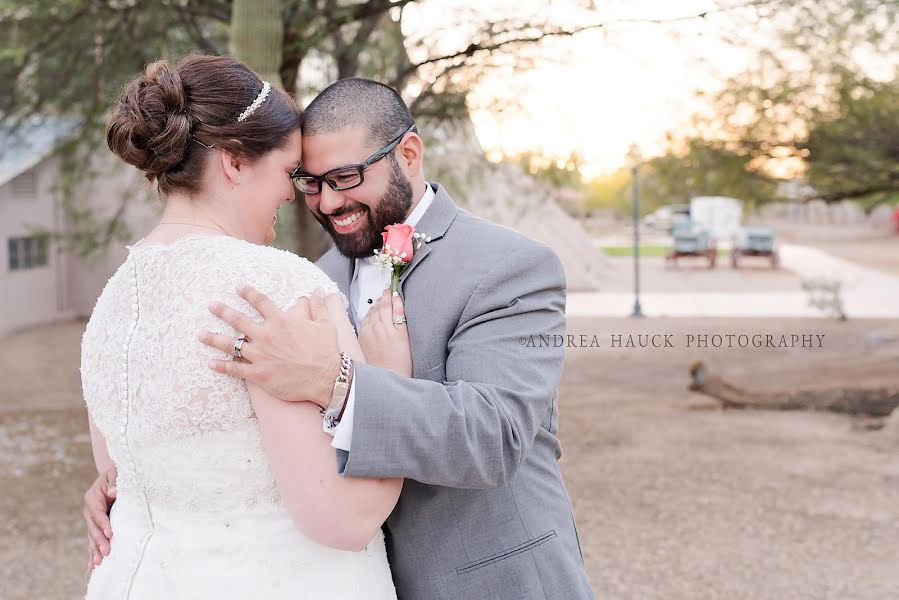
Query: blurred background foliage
pixel 71 57
pixel 821 104
pixel 811 107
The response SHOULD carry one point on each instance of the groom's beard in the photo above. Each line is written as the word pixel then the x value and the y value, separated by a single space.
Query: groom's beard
pixel 392 208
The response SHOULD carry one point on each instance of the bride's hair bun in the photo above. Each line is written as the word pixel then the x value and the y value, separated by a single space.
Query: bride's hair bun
pixel 151 126
pixel 164 121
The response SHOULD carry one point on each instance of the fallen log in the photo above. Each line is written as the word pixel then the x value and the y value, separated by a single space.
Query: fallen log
pixel 871 402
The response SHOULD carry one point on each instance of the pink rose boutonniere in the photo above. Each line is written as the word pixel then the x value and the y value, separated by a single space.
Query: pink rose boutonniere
pixel 400 243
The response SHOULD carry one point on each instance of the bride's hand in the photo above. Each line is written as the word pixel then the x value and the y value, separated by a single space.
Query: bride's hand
pixel 384 343
pixel 98 502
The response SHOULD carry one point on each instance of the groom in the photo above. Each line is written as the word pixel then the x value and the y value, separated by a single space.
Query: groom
pixel 484 513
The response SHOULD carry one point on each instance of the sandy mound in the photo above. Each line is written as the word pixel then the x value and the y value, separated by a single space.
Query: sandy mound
pixel 507 195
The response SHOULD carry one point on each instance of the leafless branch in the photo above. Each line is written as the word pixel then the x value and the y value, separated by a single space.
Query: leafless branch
pixel 372 8
pixel 196 33
pixel 854 193
pixel 495 44
pixel 217 11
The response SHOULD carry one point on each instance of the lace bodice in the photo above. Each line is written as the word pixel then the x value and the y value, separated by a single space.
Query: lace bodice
pixel 180 434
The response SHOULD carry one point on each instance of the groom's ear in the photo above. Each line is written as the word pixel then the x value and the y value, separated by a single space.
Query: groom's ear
pixel 232 161
pixel 410 154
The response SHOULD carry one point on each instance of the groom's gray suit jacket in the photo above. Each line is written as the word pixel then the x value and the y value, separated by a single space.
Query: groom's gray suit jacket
pixel 483 513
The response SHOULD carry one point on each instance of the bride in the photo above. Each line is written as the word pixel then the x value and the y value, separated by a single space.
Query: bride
pixel 222 491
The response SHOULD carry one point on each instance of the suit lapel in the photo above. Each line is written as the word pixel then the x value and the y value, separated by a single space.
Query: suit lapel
pixel 434 224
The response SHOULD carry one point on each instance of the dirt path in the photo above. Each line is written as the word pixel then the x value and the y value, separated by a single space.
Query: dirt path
pixel 675 503
pixel 672 502
pixel 875 249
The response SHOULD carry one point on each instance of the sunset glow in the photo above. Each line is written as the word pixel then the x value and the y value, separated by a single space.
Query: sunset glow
pixel 600 91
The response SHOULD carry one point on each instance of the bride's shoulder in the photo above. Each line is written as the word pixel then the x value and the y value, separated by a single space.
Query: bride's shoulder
pixel 265 259
pixel 257 255
pixel 275 272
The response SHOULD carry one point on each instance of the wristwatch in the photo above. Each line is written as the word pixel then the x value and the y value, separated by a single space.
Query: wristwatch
pixel 340 393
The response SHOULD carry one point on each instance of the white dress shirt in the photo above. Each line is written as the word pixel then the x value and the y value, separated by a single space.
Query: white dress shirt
pixel 369 281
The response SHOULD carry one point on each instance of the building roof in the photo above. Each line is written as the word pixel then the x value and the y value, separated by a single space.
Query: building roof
pixel 24 145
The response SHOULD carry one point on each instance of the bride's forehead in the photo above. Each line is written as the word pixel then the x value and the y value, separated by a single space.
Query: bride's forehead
pixel 290 149
pixel 295 145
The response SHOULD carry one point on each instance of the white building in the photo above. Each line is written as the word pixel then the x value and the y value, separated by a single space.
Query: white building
pixel 40 280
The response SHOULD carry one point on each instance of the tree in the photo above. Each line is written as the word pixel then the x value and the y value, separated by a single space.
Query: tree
pixel 611 191
pixel 71 57
pixel 704 168
pixel 853 152
pixel 257 36
pixel 808 104
pixel 556 172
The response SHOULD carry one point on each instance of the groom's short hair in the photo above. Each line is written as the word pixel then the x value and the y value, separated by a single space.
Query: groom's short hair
pixel 358 102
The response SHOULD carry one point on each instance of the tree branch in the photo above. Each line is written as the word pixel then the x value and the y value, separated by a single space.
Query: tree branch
pixel 348 54
pixel 853 193
pixel 372 8
pixel 218 11
pixel 874 402
pixel 45 42
pixel 474 48
pixel 196 33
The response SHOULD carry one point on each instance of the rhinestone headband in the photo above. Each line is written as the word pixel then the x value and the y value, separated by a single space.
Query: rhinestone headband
pixel 266 88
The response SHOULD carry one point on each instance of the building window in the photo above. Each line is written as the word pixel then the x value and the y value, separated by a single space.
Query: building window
pixel 24 186
pixel 27 252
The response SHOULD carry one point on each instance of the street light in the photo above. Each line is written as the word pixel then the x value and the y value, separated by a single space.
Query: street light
pixel 633 159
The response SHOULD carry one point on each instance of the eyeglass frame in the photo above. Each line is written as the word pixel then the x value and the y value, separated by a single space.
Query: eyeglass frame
pixel 359 167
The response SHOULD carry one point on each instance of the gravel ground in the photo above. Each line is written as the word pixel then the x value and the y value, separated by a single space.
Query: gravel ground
pixel 692 275
pixel 674 498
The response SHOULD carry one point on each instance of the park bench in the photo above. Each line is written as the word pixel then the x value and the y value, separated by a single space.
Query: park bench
pixel 755 241
pixel 689 239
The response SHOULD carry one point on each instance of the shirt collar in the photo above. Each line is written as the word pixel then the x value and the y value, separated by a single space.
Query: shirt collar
pixel 422 207
pixel 414 217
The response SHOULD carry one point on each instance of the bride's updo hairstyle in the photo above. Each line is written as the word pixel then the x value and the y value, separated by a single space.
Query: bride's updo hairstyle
pixel 165 120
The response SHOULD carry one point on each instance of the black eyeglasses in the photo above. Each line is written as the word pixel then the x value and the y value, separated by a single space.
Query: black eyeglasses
pixel 346 177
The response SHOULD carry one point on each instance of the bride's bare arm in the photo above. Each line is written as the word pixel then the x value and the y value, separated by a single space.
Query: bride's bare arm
pixel 98 445
pixel 341 512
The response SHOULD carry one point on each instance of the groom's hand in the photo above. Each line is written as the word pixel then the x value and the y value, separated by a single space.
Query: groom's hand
pixel 384 336
pixel 292 355
pixel 98 501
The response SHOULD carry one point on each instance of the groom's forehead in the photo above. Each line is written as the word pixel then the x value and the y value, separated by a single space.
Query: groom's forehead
pixel 325 151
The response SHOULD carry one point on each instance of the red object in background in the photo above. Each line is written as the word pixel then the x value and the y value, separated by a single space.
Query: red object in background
pixel 896 218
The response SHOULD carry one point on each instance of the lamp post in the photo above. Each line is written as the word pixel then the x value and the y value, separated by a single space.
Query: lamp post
pixel 634 158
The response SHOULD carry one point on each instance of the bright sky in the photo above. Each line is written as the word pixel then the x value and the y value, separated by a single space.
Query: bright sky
pixel 601 91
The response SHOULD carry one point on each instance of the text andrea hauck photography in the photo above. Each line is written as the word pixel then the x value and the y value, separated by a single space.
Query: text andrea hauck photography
pixel 671 340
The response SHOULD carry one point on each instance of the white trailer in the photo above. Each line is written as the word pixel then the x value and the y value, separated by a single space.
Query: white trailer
pixel 719 215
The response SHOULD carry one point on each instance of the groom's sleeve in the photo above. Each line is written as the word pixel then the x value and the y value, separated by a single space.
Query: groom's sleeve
pixel 503 366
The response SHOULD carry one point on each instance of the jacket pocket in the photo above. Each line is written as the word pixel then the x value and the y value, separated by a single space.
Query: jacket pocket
pixel 529 545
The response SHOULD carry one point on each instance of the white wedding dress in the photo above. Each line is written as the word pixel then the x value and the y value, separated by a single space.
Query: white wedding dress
pixel 198 514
